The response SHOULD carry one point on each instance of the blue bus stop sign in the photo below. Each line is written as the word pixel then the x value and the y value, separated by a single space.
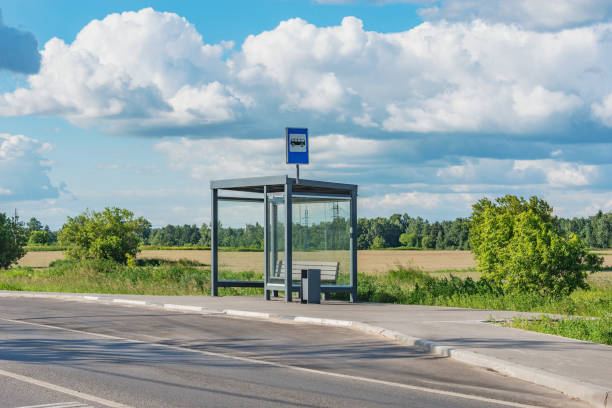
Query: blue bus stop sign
pixel 297 145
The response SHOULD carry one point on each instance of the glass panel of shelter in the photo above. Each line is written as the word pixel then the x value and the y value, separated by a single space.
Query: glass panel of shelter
pixel 276 229
pixel 320 238
pixel 240 225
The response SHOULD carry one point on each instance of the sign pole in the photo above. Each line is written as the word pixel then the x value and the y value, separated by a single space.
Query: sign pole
pixel 297 170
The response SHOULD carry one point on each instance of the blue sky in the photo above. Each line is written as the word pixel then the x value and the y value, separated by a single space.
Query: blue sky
pixel 427 105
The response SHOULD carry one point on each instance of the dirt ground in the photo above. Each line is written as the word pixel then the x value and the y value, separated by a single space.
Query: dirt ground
pixel 367 261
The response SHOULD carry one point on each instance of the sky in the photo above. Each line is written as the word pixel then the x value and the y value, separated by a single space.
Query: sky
pixel 427 105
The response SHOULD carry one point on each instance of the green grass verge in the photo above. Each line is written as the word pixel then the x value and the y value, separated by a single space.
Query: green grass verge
pixel 408 286
pixel 594 330
pixel 147 277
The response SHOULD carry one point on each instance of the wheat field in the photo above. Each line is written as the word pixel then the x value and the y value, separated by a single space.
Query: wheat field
pixel 371 261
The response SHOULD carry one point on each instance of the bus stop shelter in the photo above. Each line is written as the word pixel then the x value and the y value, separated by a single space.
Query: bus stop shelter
pixel 307 224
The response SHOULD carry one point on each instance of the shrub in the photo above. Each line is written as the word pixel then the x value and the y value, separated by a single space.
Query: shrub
pixel 519 249
pixel 408 239
pixel 378 243
pixel 13 238
pixel 41 237
pixel 111 234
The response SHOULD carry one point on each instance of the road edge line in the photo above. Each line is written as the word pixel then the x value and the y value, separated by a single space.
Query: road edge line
pixel 63 390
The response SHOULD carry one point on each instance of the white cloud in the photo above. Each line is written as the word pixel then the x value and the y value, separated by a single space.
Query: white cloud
pixel 603 110
pixel 409 199
pixel 219 158
pixel 424 204
pixel 599 203
pixel 538 14
pixel 560 174
pixel 24 170
pixel 539 102
pixel 128 66
pixel 210 103
pixel 545 173
pixel 151 73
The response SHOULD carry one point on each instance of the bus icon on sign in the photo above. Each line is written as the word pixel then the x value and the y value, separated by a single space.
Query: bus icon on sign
pixel 298 143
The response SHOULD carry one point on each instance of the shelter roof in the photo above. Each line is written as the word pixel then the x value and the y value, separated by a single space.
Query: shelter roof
pixel 277 184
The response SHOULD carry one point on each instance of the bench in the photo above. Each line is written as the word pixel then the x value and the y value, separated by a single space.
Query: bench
pixel 329 270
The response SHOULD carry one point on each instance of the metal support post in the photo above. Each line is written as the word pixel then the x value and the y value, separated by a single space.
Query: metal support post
pixel 288 243
pixel 353 246
pixel 266 244
pixel 214 262
pixel 274 243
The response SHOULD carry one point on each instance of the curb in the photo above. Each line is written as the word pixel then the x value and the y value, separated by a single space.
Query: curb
pixel 598 396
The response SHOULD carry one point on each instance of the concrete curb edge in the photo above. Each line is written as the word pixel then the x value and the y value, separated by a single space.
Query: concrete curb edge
pixel 595 395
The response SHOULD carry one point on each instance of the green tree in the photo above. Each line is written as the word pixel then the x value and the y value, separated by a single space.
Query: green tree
pixel 408 239
pixel 109 234
pixel 204 235
pixel 378 243
pixel 519 248
pixel 41 237
pixel 13 238
pixel 427 242
pixel 602 230
pixel 34 225
pixel 144 229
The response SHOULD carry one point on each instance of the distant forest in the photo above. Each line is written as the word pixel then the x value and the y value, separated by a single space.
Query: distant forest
pixel 372 233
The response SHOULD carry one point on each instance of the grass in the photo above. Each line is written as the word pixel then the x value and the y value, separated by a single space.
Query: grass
pixel 174 248
pixel 44 248
pixel 593 330
pixel 400 285
pixel 412 286
pixel 198 248
pixel 400 248
pixel 148 276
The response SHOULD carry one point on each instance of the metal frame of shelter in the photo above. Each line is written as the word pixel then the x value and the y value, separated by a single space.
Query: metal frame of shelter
pixel 287 186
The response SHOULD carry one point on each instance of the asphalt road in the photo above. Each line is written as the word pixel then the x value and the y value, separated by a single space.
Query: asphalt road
pixel 74 354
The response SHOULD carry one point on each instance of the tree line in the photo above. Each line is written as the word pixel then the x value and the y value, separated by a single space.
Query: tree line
pixel 398 230
pixel 519 246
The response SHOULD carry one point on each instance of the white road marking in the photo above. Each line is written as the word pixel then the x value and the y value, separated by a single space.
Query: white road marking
pixel 130 301
pixel 64 390
pixel 72 404
pixel 183 307
pixel 289 367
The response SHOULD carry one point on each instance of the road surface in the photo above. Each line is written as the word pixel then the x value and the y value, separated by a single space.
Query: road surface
pixel 76 354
